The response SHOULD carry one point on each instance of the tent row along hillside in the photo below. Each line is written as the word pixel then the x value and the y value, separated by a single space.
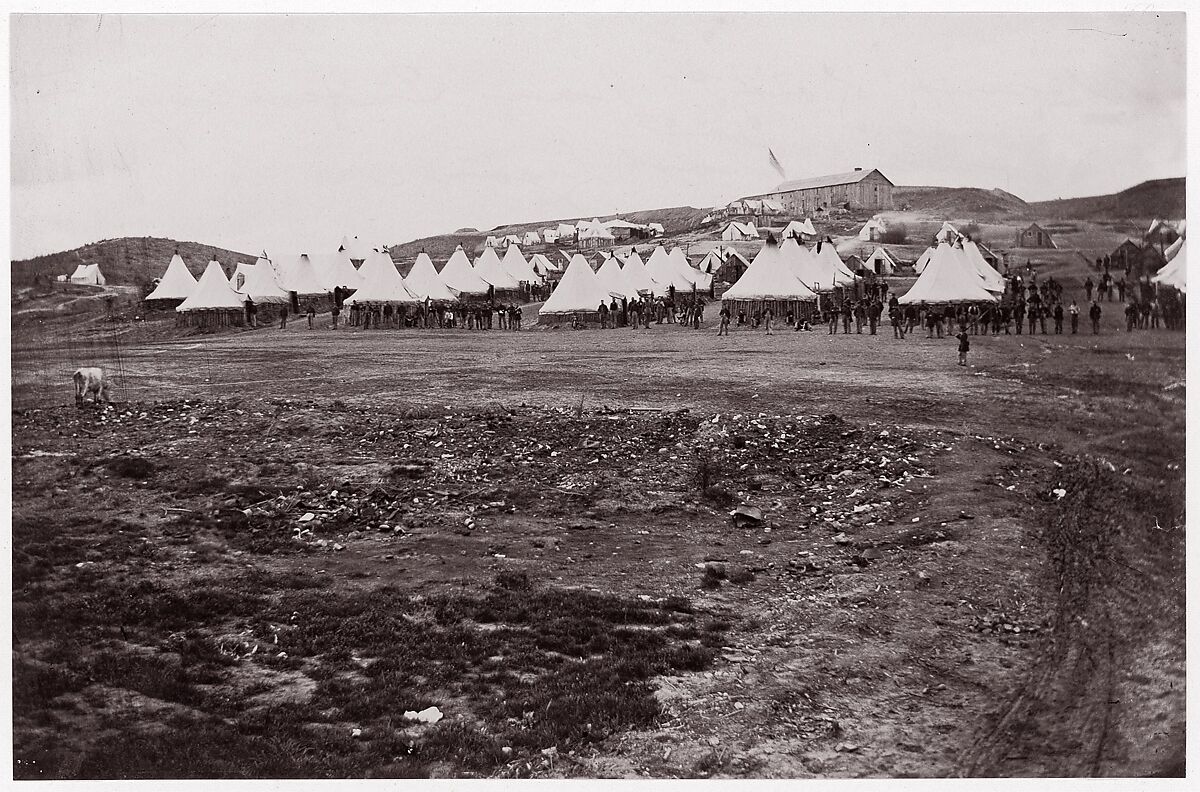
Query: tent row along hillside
pixel 311 276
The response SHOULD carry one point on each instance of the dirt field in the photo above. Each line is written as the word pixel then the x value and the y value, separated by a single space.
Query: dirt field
pixel 283 541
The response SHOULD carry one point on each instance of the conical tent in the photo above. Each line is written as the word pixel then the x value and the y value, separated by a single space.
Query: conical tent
pixel 424 282
pixel 542 265
pixel 381 283
pixel 948 278
pixel 612 281
pixel 258 282
pixel 804 265
pixel 702 280
pixel 992 280
pixel 516 266
pixel 665 273
pixel 296 274
pixel 769 277
pixel 832 266
pixel 356 250
pixel 919 267
pixel 577 292
pixel 459 275
pixel 635 273
pixel 488 267
pixel 176 283
pixel 336 269
pixel 1174 272
pixel 212 292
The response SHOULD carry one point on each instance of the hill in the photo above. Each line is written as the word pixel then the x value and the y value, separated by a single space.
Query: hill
pixel 959 202
pixel 1155 198
pixel 675 220
pixel 129 261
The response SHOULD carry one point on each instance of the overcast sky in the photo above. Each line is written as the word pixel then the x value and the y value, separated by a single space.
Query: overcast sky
pixel 285 133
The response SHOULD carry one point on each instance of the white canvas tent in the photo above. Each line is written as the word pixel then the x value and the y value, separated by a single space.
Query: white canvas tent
pixel 550 234
pixel 664 273
pixel 612 281
pixel 919 267
pixel 948 233
pixel 832 266
pixel 992 281
pixel 258 282
pixel 578 292
pixel 804 265
pixel 798 230
pixel 595 232
pixel 566 231
pixel 769 277
pixel 297 274
pixel 491 242
pixel 515 265
pixel 948 278
pixel 880 262
pixel 737 231
pixel 356 250
pixel 336 269
pixel 88 275
pixel 871 230
pixel 459 275
pixel 531 238
pixel 488 267
pixel 656 229
pixel 636 275
pixel 176 283
pixel 212 293
pixel 425 283
pixel 542 265
pixel 1174 272
pixel 381 283
pixel 512 239
pixel 702 280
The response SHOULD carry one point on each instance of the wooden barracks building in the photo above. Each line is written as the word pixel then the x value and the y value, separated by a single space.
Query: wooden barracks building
pixel 858 189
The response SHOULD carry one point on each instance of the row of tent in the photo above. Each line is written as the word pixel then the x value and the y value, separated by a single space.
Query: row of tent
pixel 791 271
pixel 581 290
pixel 376 281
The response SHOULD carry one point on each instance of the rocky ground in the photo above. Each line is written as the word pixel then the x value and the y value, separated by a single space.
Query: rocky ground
pixel 665 555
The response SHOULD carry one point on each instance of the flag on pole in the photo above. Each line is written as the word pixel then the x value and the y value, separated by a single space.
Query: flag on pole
pixel 776 164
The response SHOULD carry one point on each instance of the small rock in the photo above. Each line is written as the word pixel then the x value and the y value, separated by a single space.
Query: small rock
pixel 338 547
pixel 307 517
pixel 843 747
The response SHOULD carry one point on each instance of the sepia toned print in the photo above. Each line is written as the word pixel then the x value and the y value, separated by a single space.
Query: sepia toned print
pixel 587 396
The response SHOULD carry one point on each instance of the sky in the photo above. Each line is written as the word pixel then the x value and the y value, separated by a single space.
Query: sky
pixel 284 133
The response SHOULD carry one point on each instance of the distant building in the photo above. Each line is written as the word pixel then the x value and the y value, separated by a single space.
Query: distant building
pixel 1136 260
pixel 858 189
pixel 1034 236
pixel 990 256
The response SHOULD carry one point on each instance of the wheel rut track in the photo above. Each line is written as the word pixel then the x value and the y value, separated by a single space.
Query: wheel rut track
pixel 1057 722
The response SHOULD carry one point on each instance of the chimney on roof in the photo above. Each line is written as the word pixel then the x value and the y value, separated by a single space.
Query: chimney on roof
pixel 858 169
